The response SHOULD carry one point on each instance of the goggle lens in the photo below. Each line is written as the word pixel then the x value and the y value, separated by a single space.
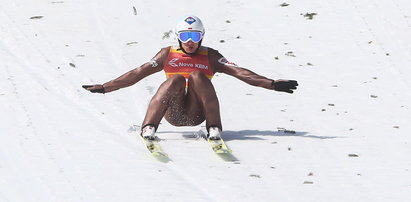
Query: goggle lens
pixel 193 36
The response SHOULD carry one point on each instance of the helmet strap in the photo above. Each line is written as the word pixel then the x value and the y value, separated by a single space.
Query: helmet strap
pixel 190 54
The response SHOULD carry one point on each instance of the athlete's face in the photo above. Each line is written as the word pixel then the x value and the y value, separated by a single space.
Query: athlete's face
pixel 190 47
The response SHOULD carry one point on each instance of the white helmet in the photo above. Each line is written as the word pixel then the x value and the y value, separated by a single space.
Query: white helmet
pixel 189 23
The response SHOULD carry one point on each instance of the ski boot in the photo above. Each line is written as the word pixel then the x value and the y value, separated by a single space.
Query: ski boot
pixel 148 132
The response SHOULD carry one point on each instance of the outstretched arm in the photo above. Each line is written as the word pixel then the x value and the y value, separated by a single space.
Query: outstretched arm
pixel 222 65
pixel 131 77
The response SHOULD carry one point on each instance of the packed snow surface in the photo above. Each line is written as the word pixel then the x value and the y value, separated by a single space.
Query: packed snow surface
pixel 344 135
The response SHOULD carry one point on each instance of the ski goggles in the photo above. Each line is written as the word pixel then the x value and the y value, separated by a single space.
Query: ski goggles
pixel 187 36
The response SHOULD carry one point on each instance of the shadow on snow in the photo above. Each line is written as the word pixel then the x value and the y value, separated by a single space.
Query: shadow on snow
pixel 253 134
pixel 258 135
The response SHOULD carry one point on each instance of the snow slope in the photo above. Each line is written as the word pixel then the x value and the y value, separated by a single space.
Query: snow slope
pixel 351 113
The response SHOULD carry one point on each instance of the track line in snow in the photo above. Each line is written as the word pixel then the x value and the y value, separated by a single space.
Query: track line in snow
pixel 406 15
pixel 20 45
pixel 383 50
pixel 24 66
pixel 35 135
pixel 37 72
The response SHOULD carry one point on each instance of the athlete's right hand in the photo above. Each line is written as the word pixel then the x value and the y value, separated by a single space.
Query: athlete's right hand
pixel 98 88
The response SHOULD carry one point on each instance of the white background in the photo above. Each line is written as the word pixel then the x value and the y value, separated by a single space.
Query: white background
pixel 59 142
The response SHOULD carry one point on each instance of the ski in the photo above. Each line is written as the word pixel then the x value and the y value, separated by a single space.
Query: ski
pixel 154 148
pixel 222 150
pixel 218 146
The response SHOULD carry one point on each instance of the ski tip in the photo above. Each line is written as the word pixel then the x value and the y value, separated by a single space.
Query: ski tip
pixel 229 157
pixel 160 154
pixel 162 157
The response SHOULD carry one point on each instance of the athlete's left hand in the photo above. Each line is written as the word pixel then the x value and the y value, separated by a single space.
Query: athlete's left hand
pixel 97 88
pixel 285 85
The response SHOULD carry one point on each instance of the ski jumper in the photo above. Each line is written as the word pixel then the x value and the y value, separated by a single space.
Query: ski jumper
pixel 182 64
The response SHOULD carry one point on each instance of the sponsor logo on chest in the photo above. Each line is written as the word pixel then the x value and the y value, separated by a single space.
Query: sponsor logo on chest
pixel 176 63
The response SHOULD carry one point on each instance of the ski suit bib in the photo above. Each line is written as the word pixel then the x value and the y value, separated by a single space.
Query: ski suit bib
pixel 182 64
